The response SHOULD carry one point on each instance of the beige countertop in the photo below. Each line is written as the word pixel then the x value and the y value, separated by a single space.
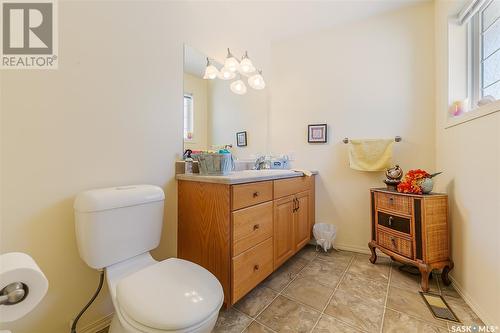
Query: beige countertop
pixel 245 176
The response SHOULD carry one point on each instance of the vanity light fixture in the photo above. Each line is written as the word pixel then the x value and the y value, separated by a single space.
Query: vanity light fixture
pixel 211 71
pixel 246 66
pixel 229 71
pixel 231 62
pixel 239 87
pixel 257 81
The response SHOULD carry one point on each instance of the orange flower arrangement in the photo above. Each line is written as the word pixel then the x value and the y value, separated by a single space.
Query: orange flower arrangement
pixel 412 180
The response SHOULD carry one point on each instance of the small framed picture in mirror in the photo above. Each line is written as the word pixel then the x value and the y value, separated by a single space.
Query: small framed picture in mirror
pixel 317 133
pixel 241 139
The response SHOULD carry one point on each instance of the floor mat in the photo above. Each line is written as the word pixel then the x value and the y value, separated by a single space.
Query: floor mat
pixel 438 306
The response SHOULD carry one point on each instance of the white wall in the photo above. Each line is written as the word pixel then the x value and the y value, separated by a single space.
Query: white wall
pixel 229 113
pixel 372 78
pixel 469 155
pixel 198 87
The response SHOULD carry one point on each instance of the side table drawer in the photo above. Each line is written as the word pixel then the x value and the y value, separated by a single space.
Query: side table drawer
pixel 394 202
pixel 397 244
pixel 394 222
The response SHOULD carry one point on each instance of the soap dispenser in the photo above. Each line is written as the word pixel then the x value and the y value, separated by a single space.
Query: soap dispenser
pixel 188 162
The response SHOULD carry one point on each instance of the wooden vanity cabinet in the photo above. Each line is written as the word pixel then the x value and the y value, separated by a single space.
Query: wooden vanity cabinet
pixel 243 232
pixel 284 245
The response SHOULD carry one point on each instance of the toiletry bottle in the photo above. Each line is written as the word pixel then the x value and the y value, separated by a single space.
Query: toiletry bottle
pixel 188 162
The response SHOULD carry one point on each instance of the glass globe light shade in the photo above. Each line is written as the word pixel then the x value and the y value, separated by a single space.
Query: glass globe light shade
pixel 211 72
pixel 257 81
pixel 238 87
pixel 246 65
pixel 231 63
pixel 226 74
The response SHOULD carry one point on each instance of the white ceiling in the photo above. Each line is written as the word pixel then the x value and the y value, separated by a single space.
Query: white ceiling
pixel 256 22
pixel 281 19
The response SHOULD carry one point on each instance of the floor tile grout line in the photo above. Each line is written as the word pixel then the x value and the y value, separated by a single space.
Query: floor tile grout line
pixel 333 293
pixel 277 295
pixel 386 296
pixel 251 319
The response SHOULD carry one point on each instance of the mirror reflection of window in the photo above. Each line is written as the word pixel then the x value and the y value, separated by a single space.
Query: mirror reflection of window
pixel 188 117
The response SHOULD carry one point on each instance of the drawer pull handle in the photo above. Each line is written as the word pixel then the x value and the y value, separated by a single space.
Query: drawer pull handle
pixel 256 226
pixel 256 267
pixel 390 221
pixel 255 194
pixel 393 241
pixel 391 199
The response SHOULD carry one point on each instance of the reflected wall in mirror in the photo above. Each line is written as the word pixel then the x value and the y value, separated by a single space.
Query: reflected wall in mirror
pixel 213 114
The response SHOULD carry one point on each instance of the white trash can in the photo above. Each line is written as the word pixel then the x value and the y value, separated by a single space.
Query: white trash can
pixel 324 233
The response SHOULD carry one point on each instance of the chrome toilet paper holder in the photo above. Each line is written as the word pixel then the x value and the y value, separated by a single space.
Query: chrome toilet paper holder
pixel 13 293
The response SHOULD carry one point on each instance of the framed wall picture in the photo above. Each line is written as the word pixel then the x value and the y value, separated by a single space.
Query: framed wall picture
pixel 317 133
pixel 241 139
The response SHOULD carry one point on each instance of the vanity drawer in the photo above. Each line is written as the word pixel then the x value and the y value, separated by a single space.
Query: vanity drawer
pixel 394 222
pixel 251 267
pixel 397 244
pixel 250 194
pixel 394 202
pixel 284 187
pixel 251 226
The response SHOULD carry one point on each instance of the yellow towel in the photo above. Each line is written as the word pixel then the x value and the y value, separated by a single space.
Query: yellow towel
pixel 370 155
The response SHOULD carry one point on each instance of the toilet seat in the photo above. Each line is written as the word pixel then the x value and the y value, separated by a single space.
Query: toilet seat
pixel 171 295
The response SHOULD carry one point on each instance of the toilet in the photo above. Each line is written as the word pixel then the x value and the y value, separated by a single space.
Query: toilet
pixel 115 230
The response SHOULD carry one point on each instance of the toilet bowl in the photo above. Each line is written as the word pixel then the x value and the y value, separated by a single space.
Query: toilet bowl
pixel 116 228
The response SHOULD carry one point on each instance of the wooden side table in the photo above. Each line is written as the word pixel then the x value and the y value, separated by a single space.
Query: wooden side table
pixel 412 229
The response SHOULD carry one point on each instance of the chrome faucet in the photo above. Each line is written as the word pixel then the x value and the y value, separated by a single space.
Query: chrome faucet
pixel 260 163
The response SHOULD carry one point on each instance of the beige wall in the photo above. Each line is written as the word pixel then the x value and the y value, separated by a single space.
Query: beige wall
pixel 199 89
pixel 368 79
pixel 110 115
pixel 469 155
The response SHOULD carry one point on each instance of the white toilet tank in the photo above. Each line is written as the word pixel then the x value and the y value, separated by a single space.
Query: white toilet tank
pixel 117 223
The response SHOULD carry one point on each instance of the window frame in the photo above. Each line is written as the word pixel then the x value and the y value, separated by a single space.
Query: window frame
pixel 191 118
pixel 475 59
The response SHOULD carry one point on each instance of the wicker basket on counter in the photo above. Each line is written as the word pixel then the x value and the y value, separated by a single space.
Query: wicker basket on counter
pixel 214 164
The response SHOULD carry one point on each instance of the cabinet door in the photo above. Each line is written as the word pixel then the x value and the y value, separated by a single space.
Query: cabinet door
pixel 284 245
pixel 302 224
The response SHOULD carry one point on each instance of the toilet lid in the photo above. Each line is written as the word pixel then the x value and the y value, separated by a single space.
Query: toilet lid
pixel 170 295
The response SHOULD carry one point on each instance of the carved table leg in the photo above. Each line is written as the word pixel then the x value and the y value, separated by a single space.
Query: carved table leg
pixel 373 258
pixel 444 274
pixel 424 272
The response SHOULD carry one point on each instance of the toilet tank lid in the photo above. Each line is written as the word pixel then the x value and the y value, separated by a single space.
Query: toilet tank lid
pixel 117 197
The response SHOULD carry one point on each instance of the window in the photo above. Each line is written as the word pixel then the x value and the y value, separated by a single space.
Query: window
pixel 484 52
pixel 188 117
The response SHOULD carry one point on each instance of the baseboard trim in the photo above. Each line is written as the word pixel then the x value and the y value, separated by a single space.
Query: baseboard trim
pixel 358 249
pixel 471 303
pixel 97 325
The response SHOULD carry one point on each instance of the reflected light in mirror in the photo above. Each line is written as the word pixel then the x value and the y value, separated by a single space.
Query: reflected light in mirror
pixel 211 71
pixel 226 74
pixel 238 87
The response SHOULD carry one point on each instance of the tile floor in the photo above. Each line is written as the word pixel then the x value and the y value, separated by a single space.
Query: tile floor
pixel 340 292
